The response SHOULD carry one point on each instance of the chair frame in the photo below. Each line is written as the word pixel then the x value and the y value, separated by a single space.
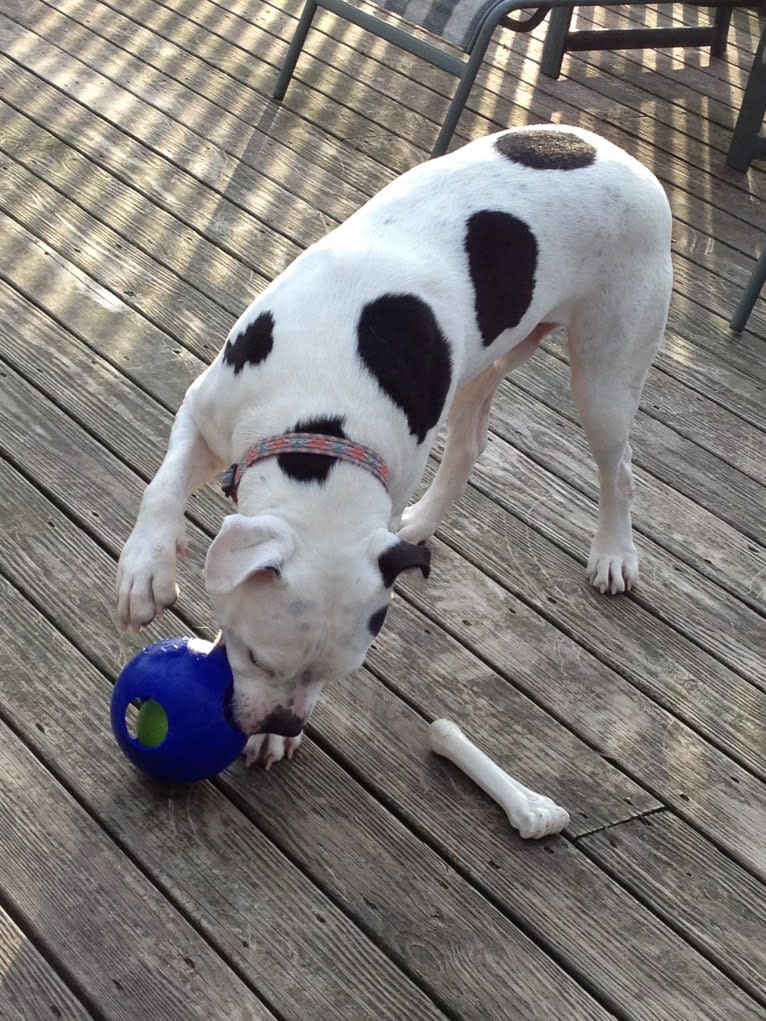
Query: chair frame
pixel 559 40
pixel 747 140
pixel 466 68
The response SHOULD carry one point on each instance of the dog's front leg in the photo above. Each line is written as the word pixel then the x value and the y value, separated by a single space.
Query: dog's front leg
pixel 146 577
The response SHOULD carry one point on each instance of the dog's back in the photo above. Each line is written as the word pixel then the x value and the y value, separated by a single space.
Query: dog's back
pixel 446 269
pixel 547 213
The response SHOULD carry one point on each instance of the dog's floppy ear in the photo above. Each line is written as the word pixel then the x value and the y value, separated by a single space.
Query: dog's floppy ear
pixel 402 556
pixel 244 546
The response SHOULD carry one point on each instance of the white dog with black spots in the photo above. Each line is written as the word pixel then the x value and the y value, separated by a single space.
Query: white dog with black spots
pixel 333 385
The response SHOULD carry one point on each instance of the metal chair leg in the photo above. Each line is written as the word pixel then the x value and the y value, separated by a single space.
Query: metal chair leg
pixel 558 39
pixel 294 50
pixel 467 78
pixel 749 295
pixel 747 141
pixel 554 46
pixel 721 22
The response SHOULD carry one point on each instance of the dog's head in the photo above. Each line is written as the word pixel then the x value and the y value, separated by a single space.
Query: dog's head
pixel 295 612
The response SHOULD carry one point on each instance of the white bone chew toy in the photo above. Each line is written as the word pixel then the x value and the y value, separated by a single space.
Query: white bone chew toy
pixel 532 814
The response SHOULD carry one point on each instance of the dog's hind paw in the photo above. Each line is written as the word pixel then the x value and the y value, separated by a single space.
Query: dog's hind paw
pixel 266 749
pixel 613 572
pixel 417 526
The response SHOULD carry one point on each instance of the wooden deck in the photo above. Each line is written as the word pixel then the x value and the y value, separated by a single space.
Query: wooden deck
pixel 149 189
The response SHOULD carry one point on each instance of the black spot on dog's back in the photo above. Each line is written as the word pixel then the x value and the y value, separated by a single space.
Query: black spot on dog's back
pixel 312 467
pixel 375 623
pixel 546 150
pixel 252 344
pixel 401 345
pixel 502 258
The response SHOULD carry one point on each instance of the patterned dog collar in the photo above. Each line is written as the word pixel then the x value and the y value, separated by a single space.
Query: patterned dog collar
pixel 305 443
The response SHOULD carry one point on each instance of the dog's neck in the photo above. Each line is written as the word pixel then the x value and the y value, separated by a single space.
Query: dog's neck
pixel 349 496
pixel 300 449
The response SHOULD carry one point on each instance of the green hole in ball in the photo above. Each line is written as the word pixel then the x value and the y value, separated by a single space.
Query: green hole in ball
pixel 151 724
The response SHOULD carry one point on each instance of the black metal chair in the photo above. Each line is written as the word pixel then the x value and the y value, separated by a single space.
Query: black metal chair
pixel 560 39
pixel 747 143
pixel 457 32
pixel 748 140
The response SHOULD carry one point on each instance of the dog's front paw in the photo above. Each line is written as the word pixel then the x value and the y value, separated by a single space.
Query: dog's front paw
pixel 612 572
pixel 146 581
pixel 266 749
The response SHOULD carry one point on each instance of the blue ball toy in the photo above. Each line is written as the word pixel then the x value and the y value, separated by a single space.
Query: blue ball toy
pixel 184 731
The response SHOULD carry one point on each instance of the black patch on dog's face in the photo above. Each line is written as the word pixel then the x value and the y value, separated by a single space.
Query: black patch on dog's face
pixel 312 467
pixel 400 343
pixel 282 721
pixel 252 345
pixel 403 556
pixel 546 150
pixel 502 258
pixel 375 623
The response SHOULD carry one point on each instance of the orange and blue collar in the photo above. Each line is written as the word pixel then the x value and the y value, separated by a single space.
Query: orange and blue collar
pixel 306 443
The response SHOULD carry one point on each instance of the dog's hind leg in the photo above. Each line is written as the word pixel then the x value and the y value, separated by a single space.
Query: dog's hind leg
pixel 467 429
pixel 610 355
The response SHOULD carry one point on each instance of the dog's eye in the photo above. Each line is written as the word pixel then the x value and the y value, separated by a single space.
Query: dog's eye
pixel 256 663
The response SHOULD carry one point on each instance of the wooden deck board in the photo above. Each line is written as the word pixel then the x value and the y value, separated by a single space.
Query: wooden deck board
pixel 29 986
pixel 730 702
pixel 153 957
pixel 694 887
pixel 548 434
pixel 619 950
pixel 150 188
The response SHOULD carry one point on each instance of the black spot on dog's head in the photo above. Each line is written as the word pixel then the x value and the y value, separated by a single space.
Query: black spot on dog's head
pixel 546 150
pixel 375 623
pixel 502 259
pixel 312 467
pixel 252 344
pixel 401 345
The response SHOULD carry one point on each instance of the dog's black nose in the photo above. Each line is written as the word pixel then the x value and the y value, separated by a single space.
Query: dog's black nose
pixel 282 721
